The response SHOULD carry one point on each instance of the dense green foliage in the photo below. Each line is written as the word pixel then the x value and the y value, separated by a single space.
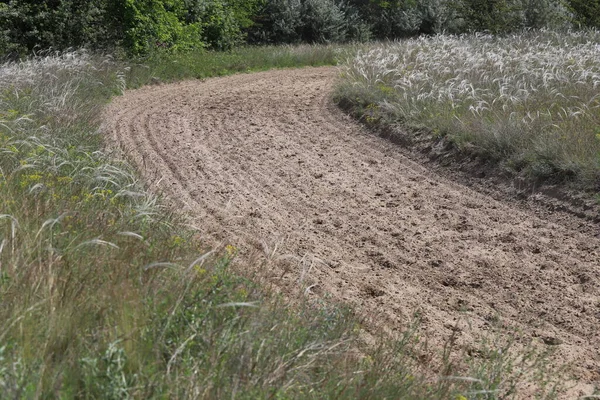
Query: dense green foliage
pixel 139 26
pixel 154 22
pixel 587 12
pixel 312 21
pixel 29 24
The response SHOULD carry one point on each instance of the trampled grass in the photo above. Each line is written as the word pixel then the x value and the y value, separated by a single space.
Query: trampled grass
pixel 104 293
pixel 529 102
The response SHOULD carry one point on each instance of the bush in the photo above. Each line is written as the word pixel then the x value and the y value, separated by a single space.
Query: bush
pixel 438 16
pixel 322 22
pixel 223 23
pixel 29 24
pixel 311 21
pixel 137 25
pixel 147 24
pixel 545 14
pixel 397 19
pixel 501 16
pixel 586 12
pixel 221 30
pixel 357 29
pixel 495 16
pixel 278 21
pixel 392 20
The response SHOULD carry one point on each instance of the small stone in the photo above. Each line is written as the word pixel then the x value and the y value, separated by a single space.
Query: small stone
pixel 551 340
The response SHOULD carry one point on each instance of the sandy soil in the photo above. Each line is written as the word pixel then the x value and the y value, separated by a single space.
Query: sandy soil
pixel 267 162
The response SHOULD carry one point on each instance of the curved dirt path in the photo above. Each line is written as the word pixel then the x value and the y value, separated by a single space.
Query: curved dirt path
pixel 266 162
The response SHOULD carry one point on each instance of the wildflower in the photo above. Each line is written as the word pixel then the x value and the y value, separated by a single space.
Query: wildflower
pixel 231 250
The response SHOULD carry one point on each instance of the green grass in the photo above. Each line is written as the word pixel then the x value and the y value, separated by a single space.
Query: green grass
pixel 527 103
pixel 104 293
pixel 168 67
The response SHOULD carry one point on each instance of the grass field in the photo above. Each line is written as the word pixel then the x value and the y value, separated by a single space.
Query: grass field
pixel 104 293
pixel 527 102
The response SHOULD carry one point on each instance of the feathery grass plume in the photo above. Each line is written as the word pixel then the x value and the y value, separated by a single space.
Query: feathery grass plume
pixel 528 101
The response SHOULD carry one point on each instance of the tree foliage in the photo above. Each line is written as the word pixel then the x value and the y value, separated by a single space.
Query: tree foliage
pixel 224 24
pixel 27 24
pixel 141 26
pixel 311 21
pixel 145 24
pixel 138 26
pixel 586 12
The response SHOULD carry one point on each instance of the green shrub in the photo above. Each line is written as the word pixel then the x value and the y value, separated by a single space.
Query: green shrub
pixel 278 21
pixel 29 24
pixel 586 12
pixel 137 25
pixel 494 16
pixel 322 22
pixel 545 14
pixel 223 23
pixel 311 21
pixel 500 16
pixel 438 16
pixel 357 28
pixel 147 24
pixel 402 18
pixel 393 19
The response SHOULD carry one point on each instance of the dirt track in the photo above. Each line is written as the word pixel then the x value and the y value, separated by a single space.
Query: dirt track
pixel 266 161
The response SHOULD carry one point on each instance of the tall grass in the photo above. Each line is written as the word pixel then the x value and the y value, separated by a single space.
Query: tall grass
pixel 529 102
pixel 168 67
pixel 105 294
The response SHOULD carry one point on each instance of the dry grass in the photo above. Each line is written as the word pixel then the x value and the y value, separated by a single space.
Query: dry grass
pixel 529 102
